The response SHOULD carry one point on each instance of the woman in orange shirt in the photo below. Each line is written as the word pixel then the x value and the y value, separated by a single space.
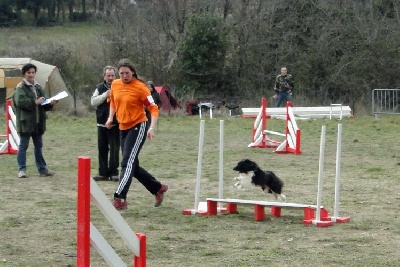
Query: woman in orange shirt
pixel 128 97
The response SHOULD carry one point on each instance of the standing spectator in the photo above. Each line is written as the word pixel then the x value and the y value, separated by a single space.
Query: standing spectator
pixel 128 97
pixel 283 87
pixel 156 97
pixel 108 140
pixel 29 102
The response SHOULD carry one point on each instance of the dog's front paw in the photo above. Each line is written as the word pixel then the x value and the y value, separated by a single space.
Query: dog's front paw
pixel 238 185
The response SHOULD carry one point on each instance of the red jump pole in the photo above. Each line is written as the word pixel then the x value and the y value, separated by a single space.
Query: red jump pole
pixel 140 261
pixel 83 213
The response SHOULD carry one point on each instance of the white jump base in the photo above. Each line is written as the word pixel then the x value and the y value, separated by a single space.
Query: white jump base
pixel 302 112
pixel 259 208
pixel 202 209
pixel 263 203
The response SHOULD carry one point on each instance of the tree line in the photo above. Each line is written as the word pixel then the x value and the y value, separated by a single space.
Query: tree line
pixel 44 12
pixel 337 51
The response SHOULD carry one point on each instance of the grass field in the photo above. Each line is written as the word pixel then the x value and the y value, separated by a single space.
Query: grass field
pixel 38 215
pixel 81 38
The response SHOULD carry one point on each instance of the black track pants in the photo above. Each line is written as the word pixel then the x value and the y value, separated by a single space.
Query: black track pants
pixel 132 141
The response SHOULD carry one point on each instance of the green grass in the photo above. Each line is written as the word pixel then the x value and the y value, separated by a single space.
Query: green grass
pixel 38 215
pixel 82 38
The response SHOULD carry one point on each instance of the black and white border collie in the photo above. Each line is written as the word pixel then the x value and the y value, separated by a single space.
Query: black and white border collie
pixel 250 173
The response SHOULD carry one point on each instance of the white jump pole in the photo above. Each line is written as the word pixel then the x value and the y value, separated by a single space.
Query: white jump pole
pixel 318 222
pixel 337 178
pixel 221 161
pixel 320 172
pixel 336 217
pixel 199 161
pixel 199 111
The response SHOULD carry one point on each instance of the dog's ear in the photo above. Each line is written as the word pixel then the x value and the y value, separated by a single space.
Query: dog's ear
pixel 237 167
pixel 252 164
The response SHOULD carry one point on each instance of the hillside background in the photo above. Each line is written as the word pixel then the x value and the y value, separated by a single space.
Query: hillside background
pixel 337 51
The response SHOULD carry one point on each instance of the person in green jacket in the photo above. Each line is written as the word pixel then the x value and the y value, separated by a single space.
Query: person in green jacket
pixel 30 106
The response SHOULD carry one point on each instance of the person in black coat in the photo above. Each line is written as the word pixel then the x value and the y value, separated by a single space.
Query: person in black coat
pixel 108 140
pixel 156 97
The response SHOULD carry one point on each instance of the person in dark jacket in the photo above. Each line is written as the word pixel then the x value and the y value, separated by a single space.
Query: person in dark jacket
pixel 108 140
pixel 156 97
pixel 283 87
pixel 28 100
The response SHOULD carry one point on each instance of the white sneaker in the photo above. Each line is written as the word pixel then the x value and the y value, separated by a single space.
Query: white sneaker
pixel 22 174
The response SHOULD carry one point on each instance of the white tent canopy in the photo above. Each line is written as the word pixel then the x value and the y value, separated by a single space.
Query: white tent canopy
pixel 48 76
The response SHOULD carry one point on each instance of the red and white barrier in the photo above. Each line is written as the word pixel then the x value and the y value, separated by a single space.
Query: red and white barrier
pixel 11 142
pixel 260 138
pixel 88 234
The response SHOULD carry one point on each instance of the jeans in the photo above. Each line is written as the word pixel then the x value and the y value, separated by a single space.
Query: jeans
pixel 283 96
pixel 23 146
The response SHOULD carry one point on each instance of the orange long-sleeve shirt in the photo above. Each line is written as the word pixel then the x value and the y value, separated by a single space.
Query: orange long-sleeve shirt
pixel 128 100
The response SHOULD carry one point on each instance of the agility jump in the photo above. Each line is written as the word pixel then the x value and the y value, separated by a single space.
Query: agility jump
pixel 88 234
pixel 313 214
pixel 213 206
pixel 292 135
pixel 12 140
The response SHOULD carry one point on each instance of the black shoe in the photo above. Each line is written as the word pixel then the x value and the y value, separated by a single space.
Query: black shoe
pixel 47 173
pixel 101 178
pixel 114 178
